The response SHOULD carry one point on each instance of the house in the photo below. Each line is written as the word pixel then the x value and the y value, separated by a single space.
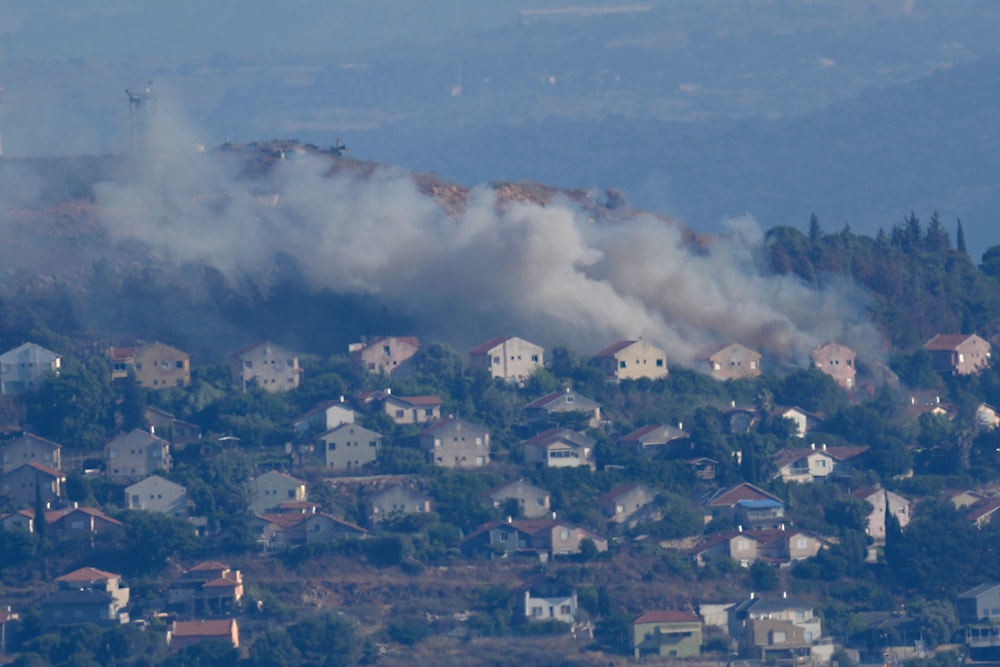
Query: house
pixel 781 546
pixel 20 520
pixel 154 366
pixel 667 633
pixel 559 448
pixel 532 502
pixel 804 421
pixel 273 488
pixel 267 366
pixel 775 642
pixel 760 514
pixel 25 484
pixel 392 355
pixel 958 354
pixel 185 633
pixel 454 442
pixel 563 404
pixel 987 417
pixel 704 467
pixel 87 595
pixel 725 502
pixel 134 456
pixel 279 530
pixel 799 613
pixel 173 430
pixel 209 587
pixel 543 537
pixel 156 494
pixel 880 499
pixel 981 513
pixel 29 448
pixel 395 501
pixel 728 361
pixel 349 446
pixel 655 440
pixel 979 604
pixel 631 360
pixel 77 521
pixel 508 357
pixel 549 600
pixel 24 368
pixel 323 417
pixel 412 409
pixel 736 419
pixel 810 464
pixel 837 361
pixel 624 503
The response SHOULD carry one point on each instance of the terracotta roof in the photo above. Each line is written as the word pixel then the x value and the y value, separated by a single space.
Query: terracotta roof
pixel 418 400
pixel 614 493
pixel 745 491
pixel 983 508
pixel 88 574
pixel 35 438
pixel 320 407
pixel 209 566
pixel 667 616
pixel 221 628
pixel 614 348
pixel 221 582
pixel 243 350
pixel 556 396
pixel 554 435
pixel 786 456
pixel 51 472
pixel 341 522
pixel 489 345
pixel 865 492
pixel 53 516
pixel 946 342
pixel 121 353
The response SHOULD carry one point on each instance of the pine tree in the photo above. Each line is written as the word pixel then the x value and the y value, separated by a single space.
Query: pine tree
pixel 815 232
pixel 960 239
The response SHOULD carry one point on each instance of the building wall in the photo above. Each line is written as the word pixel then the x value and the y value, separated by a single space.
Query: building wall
pixel 458 444
pixel 385 355
pixel 349 447
pixel 135 455
pixel 155 494
pixel 404 413
pixel 734 362
pixel 532 501
pixel 972 355
pixel 514 359
pixel 29 449
pixel 638 360
pixel 158 366
pixel 25 367
pixel 268 366
pixel 836 361
pixel 550 608
pixel 675 640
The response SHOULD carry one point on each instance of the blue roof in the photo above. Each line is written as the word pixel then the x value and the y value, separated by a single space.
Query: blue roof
pixel 764 504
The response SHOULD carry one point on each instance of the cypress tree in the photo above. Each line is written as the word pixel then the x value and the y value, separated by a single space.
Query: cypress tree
pixel 960 239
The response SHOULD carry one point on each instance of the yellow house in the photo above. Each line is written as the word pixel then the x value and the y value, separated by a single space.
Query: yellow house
pixel 631 360
pixel 155 366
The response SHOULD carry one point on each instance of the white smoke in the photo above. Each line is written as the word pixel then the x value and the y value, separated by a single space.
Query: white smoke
pixel 548 273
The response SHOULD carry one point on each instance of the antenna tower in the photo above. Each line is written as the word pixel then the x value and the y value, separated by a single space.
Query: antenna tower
pixel 141 105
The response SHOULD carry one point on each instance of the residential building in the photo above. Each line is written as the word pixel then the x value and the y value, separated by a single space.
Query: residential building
pixel 395 501
pixel 631 360
pixel 185 633
pixel 154 366
pixel 550 600
pixel 772 641
pixel 837 361
pixel 804 421
pixel 729 361
pixel 543 537
pixel 958 354
pixel 454 442
pixel 157 494
pixel 559 448
pixel 781 546
pixel 564 404
pixel 349 446
pixel 80 521
pixel 979 604
pixel 532 502
pixel 209 588
pixel 87 595
pixel 626 503
pixel 272 488
pixel 982 513
pixel 325 416
pixel 23 519
pixel 791 610
pixel 508 358
pixel 173 430
pixel 29 448
pixel 134 456
pixel 667 633
pixel 392 355
pixel 412 409
pixel 656 441
pixel 265 365
pixel 725 502
pixel 283 529
pixel 30 481
pixel 760 514
pixel 738 420
pixel 882 499
pixel 23 369
pixel 811 463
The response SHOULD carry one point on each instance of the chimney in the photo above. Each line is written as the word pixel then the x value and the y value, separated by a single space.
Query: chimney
pixel 553 516
pixel 739 529
pixel 937 399
pixel 341 398
pixel 781 527
pixel 913 400
pixel 152 429
pixel 680 426
pixel 732 404
pixel 388 391
pixel 813 446
pixel 784 595
pixel 510 519
pixel 824 446
pixel 752 594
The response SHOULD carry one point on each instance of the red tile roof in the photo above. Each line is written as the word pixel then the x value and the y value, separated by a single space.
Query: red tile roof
pixel 221 628
pixel 667 616
pixel 209 566
pixel 422 401
pixel 88 574
pixel 614 348
pixel 51 472
pixel 745 491
pixel 489 345
pixel 945 342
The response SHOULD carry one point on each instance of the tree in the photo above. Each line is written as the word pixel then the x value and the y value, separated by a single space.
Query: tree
pixel 991 261
pixel 815 231
pixel 763 576
pixel 960 239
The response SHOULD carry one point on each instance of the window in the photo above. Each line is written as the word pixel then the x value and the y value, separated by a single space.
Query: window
pixel 778 637
pixel 534 358
pixel 753 364
pixel 571 398
pixel 503 537
pixel 386 351
pixel 621 364
pixel 565 610
pixel 496 361
pixel 428 412
pixel 536 612
pixel 717 366
pixel 659 363
pixel 180 364
pixel 564 534
pixel 399 414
